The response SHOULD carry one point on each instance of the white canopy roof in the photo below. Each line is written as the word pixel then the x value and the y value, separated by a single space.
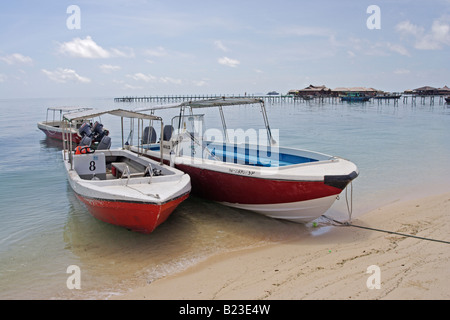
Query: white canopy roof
pixel 68 108
pixel 206 103
pixel 88 114
pixel 221 102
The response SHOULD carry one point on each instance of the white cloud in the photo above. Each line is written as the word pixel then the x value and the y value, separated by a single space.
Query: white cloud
pixel 2 77
pixel 408 28
pixel 199 83
pixel 63 75
pixel 107 68
pixel 397 48
pixel 142 77
pixel 170 80
pixel 228 62
pixel 374 49
pixel 161 52
pixel 150 78
pixel 435 39
pixel 124 53
pixel 84 48
pixel 219 45
pixel 88 48
pixel 158 52
pixel 302 31
pixel 17 58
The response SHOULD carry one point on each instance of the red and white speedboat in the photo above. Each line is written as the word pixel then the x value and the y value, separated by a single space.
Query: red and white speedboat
pixel 284 183
pixel 122 187
pixel 53 128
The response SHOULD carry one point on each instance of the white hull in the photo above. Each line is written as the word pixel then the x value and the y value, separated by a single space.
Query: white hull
pixel 300 212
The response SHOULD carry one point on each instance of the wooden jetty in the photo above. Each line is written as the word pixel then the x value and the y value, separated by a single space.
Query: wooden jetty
pixel 181 98
pixel 407 98
pixel 177 98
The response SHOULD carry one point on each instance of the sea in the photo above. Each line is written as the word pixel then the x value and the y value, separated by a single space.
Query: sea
pixel 402 150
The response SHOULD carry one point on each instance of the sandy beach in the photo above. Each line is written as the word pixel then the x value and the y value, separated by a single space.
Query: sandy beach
pixel 339 262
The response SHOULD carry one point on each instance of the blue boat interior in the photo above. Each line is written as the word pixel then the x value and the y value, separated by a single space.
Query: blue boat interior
pixel 248 156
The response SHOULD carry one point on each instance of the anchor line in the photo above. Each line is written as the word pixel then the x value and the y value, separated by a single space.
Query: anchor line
pixel 349 224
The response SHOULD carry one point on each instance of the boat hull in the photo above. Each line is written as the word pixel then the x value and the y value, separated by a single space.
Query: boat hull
pixel 138 203
pixel 299 212
pixel 355 99
pixel 299 193
pixel 293 200
pixel 138 217
pixel 56 133
pixel 231 188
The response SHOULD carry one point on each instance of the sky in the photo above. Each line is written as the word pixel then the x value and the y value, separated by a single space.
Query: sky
pixel 116 48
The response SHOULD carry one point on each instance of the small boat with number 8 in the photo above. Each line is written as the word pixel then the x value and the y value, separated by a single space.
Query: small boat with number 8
pixel 118 186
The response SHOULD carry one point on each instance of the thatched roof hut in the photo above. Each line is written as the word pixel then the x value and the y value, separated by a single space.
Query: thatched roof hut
pixel 444 90
pixel 312 91
pixel 361 90
pixel 426 90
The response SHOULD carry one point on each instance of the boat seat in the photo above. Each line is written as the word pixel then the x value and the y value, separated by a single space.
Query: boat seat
pixel 118 168
pixel 167 132
pixel 149 135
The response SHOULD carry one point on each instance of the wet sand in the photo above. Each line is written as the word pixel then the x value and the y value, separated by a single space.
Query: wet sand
pixel 335 263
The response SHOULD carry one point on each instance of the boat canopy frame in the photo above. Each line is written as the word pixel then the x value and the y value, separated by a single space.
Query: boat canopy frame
pixel 217 102
pixel 70 118
pixel 62 110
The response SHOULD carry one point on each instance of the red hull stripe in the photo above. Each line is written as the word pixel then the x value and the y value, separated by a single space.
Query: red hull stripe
pixel 132 201
pixel 59 136
pixel 224 187
pixel 140 217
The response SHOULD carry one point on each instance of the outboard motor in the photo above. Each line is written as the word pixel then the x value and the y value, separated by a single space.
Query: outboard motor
pixel 104 144
pixel 98 131
pixel 86 141
pixel 85 130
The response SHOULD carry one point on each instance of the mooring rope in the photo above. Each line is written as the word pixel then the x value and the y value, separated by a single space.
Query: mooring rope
pixel 349 224
pixel 349 207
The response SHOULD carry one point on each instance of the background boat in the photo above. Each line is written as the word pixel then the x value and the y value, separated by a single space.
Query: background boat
pixel 355 97
pixel 54 128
